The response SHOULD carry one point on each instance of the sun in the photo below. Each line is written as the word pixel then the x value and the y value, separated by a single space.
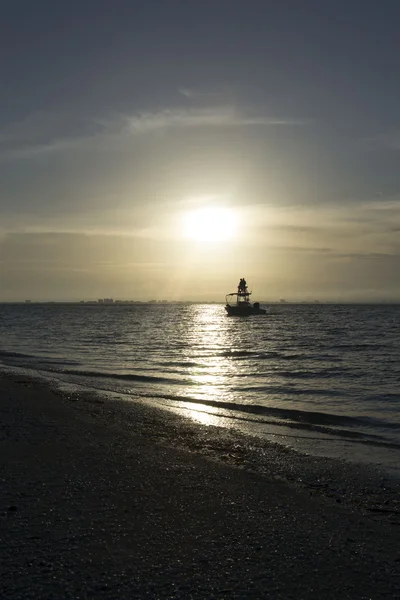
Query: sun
pixel 211 224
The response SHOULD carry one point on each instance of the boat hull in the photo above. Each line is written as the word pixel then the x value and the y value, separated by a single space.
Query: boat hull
pixel 242 310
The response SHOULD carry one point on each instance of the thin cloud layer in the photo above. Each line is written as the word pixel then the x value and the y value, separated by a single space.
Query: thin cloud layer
pixel 384 141
pixel 42 134
pixel 357 230
pixel 225 116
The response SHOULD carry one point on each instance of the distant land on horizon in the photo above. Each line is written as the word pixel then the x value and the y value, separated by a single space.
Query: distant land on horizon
pixel 163 302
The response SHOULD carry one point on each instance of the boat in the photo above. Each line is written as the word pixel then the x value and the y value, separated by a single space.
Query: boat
pixel 242 307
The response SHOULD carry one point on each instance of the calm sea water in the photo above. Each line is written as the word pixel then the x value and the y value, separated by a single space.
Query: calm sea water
pixel 323 379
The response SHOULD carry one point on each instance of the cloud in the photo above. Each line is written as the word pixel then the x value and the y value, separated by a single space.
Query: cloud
pixel 389 141
pixel 188 93
pixel 302 249
pixel 383 205
pixel 224 116
pixel 31 151
pixel 42 133
pixel 208 97
pixel 357 229
pixel 110 222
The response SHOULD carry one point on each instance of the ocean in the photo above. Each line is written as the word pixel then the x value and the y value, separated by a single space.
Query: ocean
pixel 320 379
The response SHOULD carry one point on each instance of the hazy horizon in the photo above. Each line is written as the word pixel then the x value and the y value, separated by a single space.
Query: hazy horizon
pixel 164 150
pixel 265 301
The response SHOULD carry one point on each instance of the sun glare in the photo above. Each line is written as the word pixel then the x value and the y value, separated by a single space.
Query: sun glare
pixel 210 224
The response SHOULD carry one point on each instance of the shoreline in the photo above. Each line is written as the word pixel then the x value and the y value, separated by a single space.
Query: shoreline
pixel 361 486
pixel 277 429
pixel 153 499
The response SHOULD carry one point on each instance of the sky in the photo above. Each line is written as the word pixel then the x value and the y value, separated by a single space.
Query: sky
pixel 163 149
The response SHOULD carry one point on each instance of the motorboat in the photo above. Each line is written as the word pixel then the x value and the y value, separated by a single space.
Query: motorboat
pixel 238 303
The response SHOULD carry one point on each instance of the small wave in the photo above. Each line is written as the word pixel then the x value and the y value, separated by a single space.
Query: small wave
pixel 58 361
pixel 356 347
pixel 123 376
pixel 6 354
pixel 237 353
pixel 187 364
pixel 285 414
pixel 322 374
pixel 374 422
pixel 287 390
pixel 273 354
pixel 40 360
pixel 240 354
pixel 325 423
pixel 390 396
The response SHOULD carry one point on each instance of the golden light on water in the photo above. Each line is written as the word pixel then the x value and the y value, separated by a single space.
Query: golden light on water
pixel 210 224
pixel 210 338
pixel 202 414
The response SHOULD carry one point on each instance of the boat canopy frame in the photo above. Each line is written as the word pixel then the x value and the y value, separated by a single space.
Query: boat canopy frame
pixel 244 295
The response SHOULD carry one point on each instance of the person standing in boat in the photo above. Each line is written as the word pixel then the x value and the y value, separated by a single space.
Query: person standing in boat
pixel 242 286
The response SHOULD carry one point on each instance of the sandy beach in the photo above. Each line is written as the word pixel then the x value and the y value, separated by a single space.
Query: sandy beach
pixel 108 499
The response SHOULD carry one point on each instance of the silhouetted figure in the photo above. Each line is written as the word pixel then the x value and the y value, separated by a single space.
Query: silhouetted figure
pixel 242 287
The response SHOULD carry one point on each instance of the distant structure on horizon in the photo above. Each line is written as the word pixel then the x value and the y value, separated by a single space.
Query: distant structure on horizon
pixel 109 301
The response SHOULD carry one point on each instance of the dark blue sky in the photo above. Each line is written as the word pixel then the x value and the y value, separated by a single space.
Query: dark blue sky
pixel 332 60
pixel 292 102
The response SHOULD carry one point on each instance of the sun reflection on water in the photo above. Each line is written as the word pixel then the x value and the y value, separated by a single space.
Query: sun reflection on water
pixel 201 414
pixel 209 335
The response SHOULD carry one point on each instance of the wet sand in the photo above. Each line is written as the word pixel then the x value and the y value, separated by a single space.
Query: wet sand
pixel 108 499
